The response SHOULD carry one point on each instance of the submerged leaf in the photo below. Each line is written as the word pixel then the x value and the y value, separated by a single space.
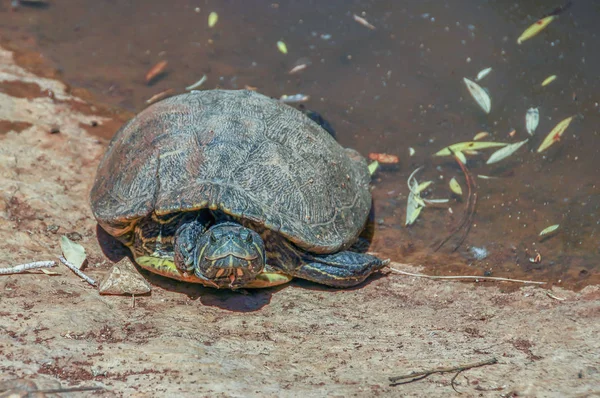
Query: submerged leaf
pixel 549 230
pixel 479 94
pixel 73 252
pixel 466 146
pixel 505 152
pixel 532 119
pixel 536 28
pixel 555 134
pixel 455 186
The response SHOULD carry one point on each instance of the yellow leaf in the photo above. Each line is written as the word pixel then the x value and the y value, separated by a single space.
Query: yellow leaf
pixel 555 134
pixel 282 47
pixel 481 135
pixel 455 186
pixel 213 17
pixel 423 186
pixel 550 229
pixel 373 166
pixel 470 145
pixel 548 80
pixel 536 28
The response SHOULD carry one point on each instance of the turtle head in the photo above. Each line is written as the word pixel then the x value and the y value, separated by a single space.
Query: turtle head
pixel 229 255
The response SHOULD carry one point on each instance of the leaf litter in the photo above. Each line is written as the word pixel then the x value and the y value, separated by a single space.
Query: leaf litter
pixel 73 252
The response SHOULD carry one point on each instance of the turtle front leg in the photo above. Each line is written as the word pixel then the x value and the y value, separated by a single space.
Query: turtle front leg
pixel 186 243
pixel 343 269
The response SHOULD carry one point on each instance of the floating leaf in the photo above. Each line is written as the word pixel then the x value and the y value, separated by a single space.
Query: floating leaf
pixel 548 80
pixel 363 22
pixel 470 152
pixel 197 84
pixel 294 98
pixel 536 28
pixel 423 186
pixel 213 17
pixel 469 145
pixel 532 119
pixel 479 94
pixel 480 135
pixel 555 134
pixel 505 152
pixel 483 177
pixel 413 207
pixel 282 47
pixel 436 200
pixel 455 186
pixel 156 71
pixel 384 158
pixel 73 252
pixel 549 230
pixel 483 73
pixel 461 157
pixel 373 166
pixel 411 151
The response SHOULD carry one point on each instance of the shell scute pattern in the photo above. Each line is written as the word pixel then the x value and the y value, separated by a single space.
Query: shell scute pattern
pixel 239 152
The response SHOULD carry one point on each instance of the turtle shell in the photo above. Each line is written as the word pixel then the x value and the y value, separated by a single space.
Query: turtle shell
pixel 239 152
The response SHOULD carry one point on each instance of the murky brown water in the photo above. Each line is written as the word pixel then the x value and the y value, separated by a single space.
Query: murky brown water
pixel 384 90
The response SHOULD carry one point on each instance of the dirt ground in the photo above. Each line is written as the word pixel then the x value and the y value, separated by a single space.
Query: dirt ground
pixel 297 340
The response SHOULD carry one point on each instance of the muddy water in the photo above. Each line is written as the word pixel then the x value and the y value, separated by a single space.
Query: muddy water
pixel 384 90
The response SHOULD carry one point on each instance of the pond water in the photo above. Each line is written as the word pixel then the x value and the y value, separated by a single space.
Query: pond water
pixel 385 90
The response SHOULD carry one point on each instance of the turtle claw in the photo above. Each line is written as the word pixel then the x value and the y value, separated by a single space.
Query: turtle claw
pixel 186 239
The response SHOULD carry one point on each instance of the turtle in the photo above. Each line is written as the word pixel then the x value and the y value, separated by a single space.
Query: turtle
pixel 233 189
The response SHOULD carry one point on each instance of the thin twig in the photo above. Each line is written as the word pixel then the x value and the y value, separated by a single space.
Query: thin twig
pixel 467 218
pixel 469 277
pixel 77 271
pixel 555 297
pixel 17 269
pixel 74 389
pixel 471 204
pixel 415 376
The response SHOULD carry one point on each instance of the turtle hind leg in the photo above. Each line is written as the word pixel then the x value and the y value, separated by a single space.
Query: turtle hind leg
pixel 343 269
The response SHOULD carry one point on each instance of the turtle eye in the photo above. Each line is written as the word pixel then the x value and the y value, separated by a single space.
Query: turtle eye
pixel 246 236
pixel 213 238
